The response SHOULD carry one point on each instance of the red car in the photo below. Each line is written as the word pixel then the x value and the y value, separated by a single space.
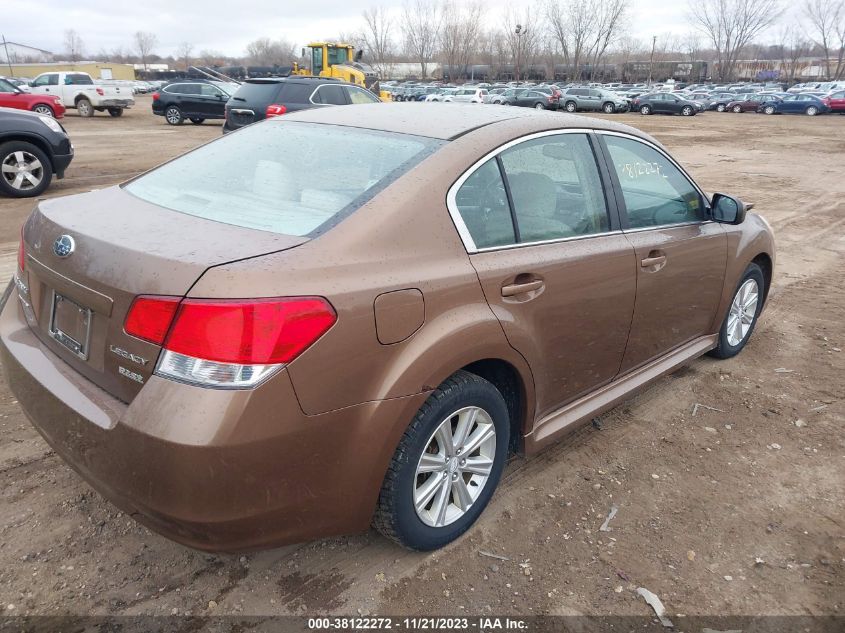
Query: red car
pixel 835 101
pixel 13 97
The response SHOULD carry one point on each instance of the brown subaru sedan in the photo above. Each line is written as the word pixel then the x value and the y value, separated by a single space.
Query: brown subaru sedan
pixel 352 316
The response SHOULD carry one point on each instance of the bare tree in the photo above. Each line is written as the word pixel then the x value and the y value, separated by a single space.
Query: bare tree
pixel 793 48
pixel 572 25
pixel 144 44
pixel 607 27
pixel 377 37
pixel 211 58
pixel 521 35
pixel 420 28
pixel 183 53
pixel 461 28
pixel 827 22
pixel 266 52
pixel 74 47
pixel 730 25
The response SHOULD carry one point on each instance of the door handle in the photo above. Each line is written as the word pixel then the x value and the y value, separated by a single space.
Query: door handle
pixel 653 259
pixel 518 288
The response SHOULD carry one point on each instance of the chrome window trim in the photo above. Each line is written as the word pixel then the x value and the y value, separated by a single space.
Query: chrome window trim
pixel 311 98
pixel 451 195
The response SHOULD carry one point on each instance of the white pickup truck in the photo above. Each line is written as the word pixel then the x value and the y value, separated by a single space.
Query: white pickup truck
pixel 78 90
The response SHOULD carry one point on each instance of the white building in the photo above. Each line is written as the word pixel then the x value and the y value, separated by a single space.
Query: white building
pixel 21 53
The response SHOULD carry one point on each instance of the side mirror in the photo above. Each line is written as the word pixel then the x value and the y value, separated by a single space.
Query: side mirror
pixel 727 209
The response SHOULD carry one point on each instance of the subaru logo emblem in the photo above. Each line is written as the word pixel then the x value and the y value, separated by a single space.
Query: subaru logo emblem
pixel 64 245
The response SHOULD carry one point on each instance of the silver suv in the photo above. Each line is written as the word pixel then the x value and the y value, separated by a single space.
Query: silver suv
pixel 575 99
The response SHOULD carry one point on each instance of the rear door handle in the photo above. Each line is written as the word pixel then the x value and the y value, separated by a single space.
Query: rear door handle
pixel 519 288
pixel 653 260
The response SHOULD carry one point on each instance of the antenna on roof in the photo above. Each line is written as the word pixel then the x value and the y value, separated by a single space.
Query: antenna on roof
pixel 214 74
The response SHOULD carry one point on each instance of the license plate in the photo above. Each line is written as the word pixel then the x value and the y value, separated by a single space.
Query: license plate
pixel 70 325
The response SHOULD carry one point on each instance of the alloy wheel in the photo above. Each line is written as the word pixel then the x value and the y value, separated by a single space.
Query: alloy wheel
pixel 173 116
pixel 743 312
pixel 22 170
pixel 43 110
pixel 812 111
pixel 454 467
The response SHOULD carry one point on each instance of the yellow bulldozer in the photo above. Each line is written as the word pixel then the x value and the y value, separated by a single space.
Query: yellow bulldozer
pixel 330 59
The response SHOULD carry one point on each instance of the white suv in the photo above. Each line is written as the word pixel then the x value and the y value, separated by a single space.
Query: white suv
pixel 467 95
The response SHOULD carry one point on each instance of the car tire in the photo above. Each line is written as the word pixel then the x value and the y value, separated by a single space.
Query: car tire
pixel 739 323
pixel 769 109
pixel 197 120
pixel 414 523
pixel 811 111
pixel 173 115
pixel 84 108
pixel 115 112
pixel 687 111
pixel 539 106
pixel 737 109
pixel 721 108
pixel 44 110
pixel 571 106
pixel 11 153
pixel 645 110
pixel 608 108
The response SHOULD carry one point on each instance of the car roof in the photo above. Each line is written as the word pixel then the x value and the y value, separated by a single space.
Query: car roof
pixel 448 121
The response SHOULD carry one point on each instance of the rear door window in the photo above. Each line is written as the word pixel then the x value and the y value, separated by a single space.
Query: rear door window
pixel 263 177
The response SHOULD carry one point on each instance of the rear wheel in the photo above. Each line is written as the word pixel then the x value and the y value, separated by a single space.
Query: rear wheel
pixel 721 107
pixel 769 109
pixel 115 112
pixel 173 115
pixel 44 109
pixel 742 315
pixel 737 109
pixel 197 120
pixel 25 170
pixel 84 107
pixel 608 108
pixel 645 110
pixel 539 106
pixel 811 111
pixel 571 106
pixel 687 111
pixel 446 466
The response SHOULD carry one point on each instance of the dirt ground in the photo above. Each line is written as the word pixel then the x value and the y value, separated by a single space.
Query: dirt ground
pixel 736 508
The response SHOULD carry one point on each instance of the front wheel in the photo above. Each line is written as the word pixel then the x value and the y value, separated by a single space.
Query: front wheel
pixel 645 110
pixel 571 106
pixel 721 108
pixel 608 108
pixel 769 109
pixel 84 107
pixel 25 170
pixel 44 109
pixel 116 112
pixel 197 120
pixel 446 466
pixel 742 315
pixel 687 111
pixel 812 111
pixel 737 109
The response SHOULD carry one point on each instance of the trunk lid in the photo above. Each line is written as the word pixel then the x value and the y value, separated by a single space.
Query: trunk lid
pixel 121 247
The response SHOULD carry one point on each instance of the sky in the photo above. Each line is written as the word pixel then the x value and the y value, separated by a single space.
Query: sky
pixel 227 26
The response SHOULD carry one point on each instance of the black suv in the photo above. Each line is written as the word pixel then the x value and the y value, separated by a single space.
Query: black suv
pixel 192 99
pixel 256 99
pixel 33 147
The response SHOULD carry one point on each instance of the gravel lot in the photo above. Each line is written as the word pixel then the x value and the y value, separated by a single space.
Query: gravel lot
pixel 738 508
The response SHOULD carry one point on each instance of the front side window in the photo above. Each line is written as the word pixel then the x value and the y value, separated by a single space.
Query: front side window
pixel 359 96
pixel 47 80
pixel 5 86
pixel 655 192
pixel 207 90
pixel 263 176
pixel 329 95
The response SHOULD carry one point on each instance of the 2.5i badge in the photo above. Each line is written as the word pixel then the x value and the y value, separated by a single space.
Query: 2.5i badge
pixel 130 374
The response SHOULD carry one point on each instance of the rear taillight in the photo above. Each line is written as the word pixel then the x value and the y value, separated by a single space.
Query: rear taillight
pixel 21 253
pixel 228 343
pixel 100 92
pixel 275 109
pixel 156 96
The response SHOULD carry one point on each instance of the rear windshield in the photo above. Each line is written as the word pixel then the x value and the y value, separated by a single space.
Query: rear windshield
pixel 283 177
pixel 256 92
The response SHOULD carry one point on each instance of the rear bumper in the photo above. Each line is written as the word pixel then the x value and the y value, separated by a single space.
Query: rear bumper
pixel 116 103
pixel 215 470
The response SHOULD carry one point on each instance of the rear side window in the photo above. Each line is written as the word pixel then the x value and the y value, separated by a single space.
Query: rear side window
pixel 483 204
pixel 295 92
pixel 357 95
pixel 329 95
pixel 77 79
pixel 263 177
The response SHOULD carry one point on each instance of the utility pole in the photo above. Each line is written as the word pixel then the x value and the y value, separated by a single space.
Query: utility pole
pixel 651 62
pixel 519 33
pixel 8 59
